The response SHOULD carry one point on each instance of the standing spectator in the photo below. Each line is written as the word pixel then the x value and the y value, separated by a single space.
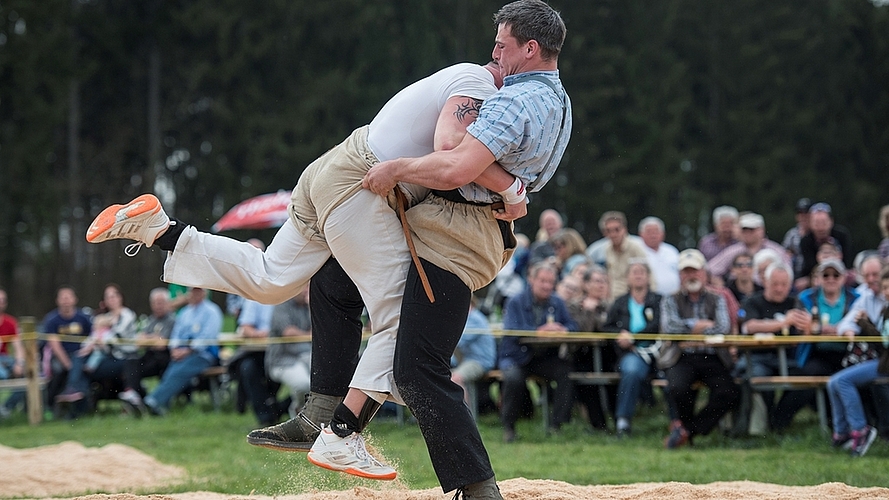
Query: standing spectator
pixel 535 309
pixel 290 362
pixel 247 365
pixel 476 352
pixel 638 311
pixel 71 324
pixel 827 304
pixel 850 427
pixel 725 221
pixel 11 365
pixel 154 338
pixel 693 309
pixel 883 223
pixel 618 252
pixel 193 349
pixel 823 230
pixel 753 239
pixel 794 235
pixel 550 223
pixel 590 313
pixel 663 258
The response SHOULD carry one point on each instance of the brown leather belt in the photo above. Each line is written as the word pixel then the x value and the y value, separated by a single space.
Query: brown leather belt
pixel 402 206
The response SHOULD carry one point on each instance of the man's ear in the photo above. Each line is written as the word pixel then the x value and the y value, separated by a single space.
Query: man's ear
pixel 532 48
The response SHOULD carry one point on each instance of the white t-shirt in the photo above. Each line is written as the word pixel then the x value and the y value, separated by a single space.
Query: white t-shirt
pixel 405 127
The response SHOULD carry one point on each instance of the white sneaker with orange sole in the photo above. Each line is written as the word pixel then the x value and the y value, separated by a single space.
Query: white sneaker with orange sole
pixel 348 455
pixel 142 220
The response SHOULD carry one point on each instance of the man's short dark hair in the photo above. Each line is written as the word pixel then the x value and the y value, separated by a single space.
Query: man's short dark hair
pixel 534 20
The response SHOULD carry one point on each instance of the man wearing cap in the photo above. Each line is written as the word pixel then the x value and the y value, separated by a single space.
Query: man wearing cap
pixel 827 303
pixel 793 235
pixel 694 309
pixel 753 239
pixel 823 230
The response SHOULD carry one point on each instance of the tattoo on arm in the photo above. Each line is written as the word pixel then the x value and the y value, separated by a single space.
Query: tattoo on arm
pixel 468 109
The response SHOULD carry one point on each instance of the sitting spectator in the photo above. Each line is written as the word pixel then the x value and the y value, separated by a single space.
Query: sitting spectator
pixel 117 344
pixel 753 239
pixel 476 352
pixel 535 309
pixel 193 349
pixel 762 260
pixel 589 312
pixel 850 426
pixel 568 247
pixel 11 365
pixel 618 252
pixel 823 230
pixel 290 363
pixel 695 310
pixel 637 311
pixel 828 250
pixel 72 326
pixel 724 235
pixel 247 365
pixel 663 258
pixel 793 235
pixel 154 360
pixel 740 281
pixel 883 223
pixel 772 311
pixel 827 304
pixel 570 289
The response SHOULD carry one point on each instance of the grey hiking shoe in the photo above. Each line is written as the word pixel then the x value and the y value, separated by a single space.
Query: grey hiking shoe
pixel 300 432
pixel 484 490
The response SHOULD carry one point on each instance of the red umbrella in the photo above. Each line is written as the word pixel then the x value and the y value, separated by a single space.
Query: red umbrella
pixel 260 212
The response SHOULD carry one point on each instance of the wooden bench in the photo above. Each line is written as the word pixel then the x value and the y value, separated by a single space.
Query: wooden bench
pixel 802 382
pixel 20 383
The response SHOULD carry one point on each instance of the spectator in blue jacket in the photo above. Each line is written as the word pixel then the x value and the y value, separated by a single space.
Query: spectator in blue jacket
pixel 476 352
pixel 537 309
pixel 193 348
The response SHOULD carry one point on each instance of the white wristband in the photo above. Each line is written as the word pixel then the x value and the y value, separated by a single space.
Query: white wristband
pixel 515 193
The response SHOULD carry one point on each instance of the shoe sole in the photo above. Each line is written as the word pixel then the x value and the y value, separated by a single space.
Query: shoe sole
pixel 350 470
pixel 116 213
pixel 279 446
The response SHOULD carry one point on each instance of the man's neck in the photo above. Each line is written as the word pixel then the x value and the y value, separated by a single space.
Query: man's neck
pixel 830 296
pixel 638 294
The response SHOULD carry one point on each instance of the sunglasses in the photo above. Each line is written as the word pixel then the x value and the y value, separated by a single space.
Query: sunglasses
pixel 742 264
pixel 830 275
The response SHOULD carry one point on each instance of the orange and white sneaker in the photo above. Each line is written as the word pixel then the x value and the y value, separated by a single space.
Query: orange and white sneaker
pixel 347 455
pixel 142 220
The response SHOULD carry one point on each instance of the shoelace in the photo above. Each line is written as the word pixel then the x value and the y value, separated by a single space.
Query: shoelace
pixel 133 248
pixel 361 452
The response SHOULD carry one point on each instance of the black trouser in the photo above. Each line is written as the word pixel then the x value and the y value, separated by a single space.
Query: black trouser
pixel 792 401
pixel 261 391
pixel 427 337
pixel 551 367
pixel 151 364
pixel 724 393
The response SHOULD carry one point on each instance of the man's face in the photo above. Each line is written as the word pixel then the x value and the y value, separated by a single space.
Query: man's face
pixel 197 296
pixel 777 287
pixel 597 286
pixel 691 279
pixel 726 227
pixel 159 305
pixel 509 54
pixel 751 235
pixel 831 280
pixel 569 288
pixel 821 225
pixel 802 220
pixel 543 284
pixel 551 223
pixel 870 272
pixel 637 276
pixel 652 236
pixel 65 299
pixel 615 232
pixel 742 267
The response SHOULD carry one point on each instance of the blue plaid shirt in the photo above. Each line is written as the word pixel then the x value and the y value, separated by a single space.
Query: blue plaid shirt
pixel 520 125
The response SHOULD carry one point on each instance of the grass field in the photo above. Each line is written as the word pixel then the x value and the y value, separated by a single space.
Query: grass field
pixel 211 447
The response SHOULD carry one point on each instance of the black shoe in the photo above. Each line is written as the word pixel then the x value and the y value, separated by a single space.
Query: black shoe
pixel 300 432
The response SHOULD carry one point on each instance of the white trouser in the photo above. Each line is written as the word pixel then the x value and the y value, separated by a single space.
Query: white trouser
pixel 296 376
pixel 366 238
